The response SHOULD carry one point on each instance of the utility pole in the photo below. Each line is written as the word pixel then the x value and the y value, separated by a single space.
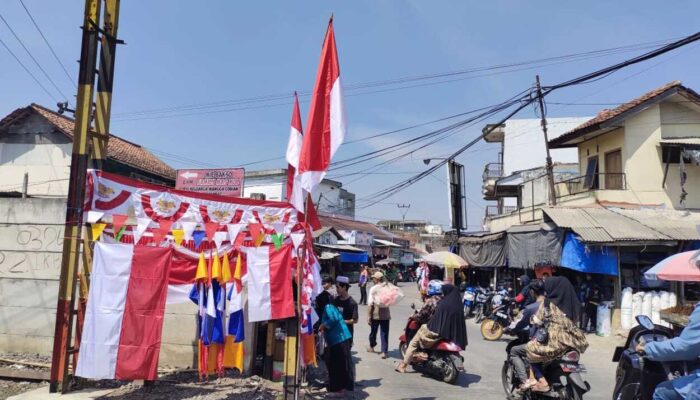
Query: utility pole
pixel 549 167
pixel 403 214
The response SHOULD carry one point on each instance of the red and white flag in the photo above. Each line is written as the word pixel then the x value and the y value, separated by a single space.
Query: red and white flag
pixel 295 193
pixel 124 317
pixel 269 283
pixel 326 125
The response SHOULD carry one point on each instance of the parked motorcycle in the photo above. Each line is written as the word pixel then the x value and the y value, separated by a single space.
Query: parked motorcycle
pixel 482 308
pixel 564 376
pixel 493 327
pixel 443 360
pixel 469 300
pixel 636 376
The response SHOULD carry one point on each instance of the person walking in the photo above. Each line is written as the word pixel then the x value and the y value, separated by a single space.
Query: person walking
pixel 345 303
pixel 364 277
pixel 338 359
pixel 378 316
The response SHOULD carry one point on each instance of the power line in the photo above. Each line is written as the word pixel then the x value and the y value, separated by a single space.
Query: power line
pixel 28 71
pixel 55 56
pixel 32 57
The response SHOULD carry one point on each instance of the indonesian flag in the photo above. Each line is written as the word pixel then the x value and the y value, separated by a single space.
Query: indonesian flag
pixel 124 317
pixel 326 125
pixel 295 193
pixel 269 283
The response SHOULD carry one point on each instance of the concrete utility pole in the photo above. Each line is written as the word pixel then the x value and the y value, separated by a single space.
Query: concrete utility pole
pixel 73 243
pixel 403 214
pixel 549 167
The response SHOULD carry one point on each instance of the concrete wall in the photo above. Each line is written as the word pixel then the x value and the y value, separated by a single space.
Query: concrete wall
pixel 31 239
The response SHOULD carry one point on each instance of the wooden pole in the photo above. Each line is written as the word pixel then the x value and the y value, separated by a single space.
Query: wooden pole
pixel 550 167
pixel 76 194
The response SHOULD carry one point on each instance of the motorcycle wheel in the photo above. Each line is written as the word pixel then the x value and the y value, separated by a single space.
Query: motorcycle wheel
pixel 491 330
pixel 450 372
pixel 573 393
pixel 478 315
pixel 402 349
pixel 508 380
pixel 467 312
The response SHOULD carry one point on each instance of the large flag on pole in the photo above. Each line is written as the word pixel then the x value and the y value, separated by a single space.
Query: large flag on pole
pixel 295 193
pixel 326 126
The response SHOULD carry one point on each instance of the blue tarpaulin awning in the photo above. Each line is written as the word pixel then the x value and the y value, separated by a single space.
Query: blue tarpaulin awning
pixel 589 259
pixel 354 257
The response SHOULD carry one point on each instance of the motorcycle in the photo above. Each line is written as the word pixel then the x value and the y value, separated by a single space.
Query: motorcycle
pixel 637 377
pixel 469 300
pixel 442 361
pixel 564 376
pixel 482 307
pixel 493 327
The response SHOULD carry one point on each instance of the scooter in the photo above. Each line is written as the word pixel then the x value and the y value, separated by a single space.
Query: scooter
pixel 493 327
pixel 564 375
pixel 637 376
pixel 442 361
pixel 469 300
pixel 482 308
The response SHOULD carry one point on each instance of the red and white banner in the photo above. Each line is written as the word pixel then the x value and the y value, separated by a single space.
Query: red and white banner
pixel 269 282
pixel 124 318
pixel 112 194
pixel 295 193
pixel 326 125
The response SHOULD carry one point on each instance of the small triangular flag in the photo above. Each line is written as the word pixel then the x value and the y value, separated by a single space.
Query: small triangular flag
pixel 201 268
pixel 233 231
pixel 164 226
pixel 219 237
pixel 118 221
pixel 141 226
pixel 121 233
pixel 216 267
pixel 257 231
pixel 178 236
pixel 279 227
pixel 238 272
pixel 157 237
pixel 97 230
pixel 277 239
pixel 297 238
pixel 93 216
pixel 188 227
pixel 198 237
pixel 226 274
pixel 211 228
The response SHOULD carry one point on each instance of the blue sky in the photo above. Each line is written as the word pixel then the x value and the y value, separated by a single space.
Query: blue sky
pixel 181 53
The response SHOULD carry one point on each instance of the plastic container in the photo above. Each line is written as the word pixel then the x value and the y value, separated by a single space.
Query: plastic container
pixel 637 300
pixel 626 318
pixel 646 304
pixel 655 308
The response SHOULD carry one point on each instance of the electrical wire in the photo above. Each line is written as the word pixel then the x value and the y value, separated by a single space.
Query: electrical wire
pixel 55 56
pixel 28 71
pixel 33 58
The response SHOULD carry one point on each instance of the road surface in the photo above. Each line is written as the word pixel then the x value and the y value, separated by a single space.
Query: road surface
pixel 483 362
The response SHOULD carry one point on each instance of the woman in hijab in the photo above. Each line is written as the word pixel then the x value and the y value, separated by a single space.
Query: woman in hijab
pixel 447 323
pixel 339 359
pixel 557 331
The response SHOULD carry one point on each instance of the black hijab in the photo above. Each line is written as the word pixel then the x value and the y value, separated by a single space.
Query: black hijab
pixel 562 293
pixel 448 319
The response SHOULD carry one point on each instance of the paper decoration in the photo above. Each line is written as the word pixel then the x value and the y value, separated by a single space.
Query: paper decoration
pixel 201 268
pixel 93 216
pixel 164 226
pixel 178 236
pixel 277 239
pixel 279 227
pixel 211 228
pixel 226 274
pixel 297 238
pixel 97 230
pixel 188 227
pixel 219 237
pixel 233 231
pixel 118 221
pixel 216 267
pixel 257 231
pixel 157 237
pixel 141 226
pixel 198 237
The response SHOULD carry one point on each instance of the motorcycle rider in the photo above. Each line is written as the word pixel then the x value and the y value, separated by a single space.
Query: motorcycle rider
pixel 524 296
pixel 685 347
pixel 447 323
pixel 433 296
pixel 518 354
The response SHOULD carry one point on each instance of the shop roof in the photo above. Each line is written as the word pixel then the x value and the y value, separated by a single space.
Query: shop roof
pixel 387 243
pixel 352 225
pixel 602 225
pixel 341 247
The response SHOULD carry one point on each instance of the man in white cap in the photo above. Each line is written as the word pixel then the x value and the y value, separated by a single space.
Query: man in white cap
pixel 378 316
pixel 345 303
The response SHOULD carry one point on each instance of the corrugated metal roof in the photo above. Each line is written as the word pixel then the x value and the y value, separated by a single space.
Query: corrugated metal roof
pixel 677 225
pixel 681 141
pixel 600 225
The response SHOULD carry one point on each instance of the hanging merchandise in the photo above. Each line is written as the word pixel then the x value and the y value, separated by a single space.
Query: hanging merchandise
pixel 178 236
pixel 124 317
pixel 141 226
pixel 198 237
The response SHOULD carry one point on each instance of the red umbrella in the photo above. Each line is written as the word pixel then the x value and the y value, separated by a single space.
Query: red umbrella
pixel 681 267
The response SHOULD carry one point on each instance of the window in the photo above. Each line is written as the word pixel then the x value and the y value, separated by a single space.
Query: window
pixel 613 170
pixel 591 179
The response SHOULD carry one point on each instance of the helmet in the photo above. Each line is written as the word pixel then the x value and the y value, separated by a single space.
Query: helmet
pixel 434 287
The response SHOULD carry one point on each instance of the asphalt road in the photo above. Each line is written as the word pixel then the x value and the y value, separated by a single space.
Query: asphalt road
pixel 483 361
